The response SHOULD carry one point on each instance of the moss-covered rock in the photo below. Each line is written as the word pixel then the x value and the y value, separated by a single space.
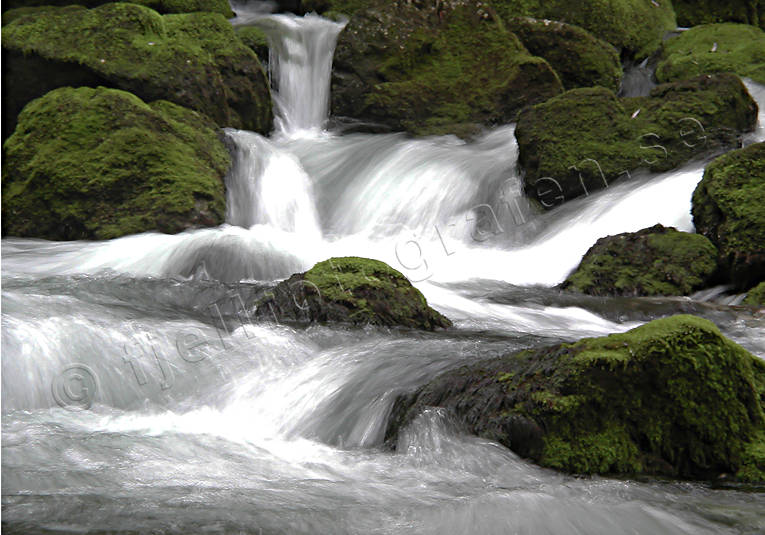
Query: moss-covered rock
pixel 714 48
pixel 344 7
pixel 435 67
pixel 160 6
pixel 580 59
pixel 728 207
pixel 586 139
pixel 653 261
pixel 695 12
pixel 352 290
pixel 256 39
pixel 672 397
pixel 194 60
pixel 634 27
pixel 100 163
pixel 756 296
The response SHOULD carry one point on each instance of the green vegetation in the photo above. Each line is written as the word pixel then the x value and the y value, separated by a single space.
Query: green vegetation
pixel 652 261
pixel 344 7
pixel 672 397
pixel 351 290
pixel 194 60
pixel 695 12
pixel 634 27
pixel 580 59
pixel 756 296
pixel 435 70
pixel 604 138
pixel 161 6
pixel 729 209
pixel 714 48
pixel 256 39
pixel 100 163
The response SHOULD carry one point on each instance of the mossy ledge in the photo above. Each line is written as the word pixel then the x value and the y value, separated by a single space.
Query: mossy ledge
pixel 728 207
pixel 99 163
pixel 351 290
pixel 672 397
pixel 194 60
pixel 654 261
pixel 604 138
pixel 756 296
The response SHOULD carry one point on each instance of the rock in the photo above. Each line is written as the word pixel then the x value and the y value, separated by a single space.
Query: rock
pixel 580 59
pixel 714 48
pixel 351 290
pixel 160 6
pixel 672 397
pixel 194 60
pixel 728 207
pixel 653 261
pixel 695 12
pixel 756 296
pixel 634 27
pixel 99 163
pixel 256 39
pixel 435 67
pixel 344 7
pixel 603 138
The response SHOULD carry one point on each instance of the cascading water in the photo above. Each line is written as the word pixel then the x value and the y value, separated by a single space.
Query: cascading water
pixel 182 424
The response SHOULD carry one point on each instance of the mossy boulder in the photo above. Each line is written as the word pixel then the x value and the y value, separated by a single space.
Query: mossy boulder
pixel 351 290
pixel 99 163
pixel 671 397
pixel 160 6
pixel 756 296
pixel 194 60
pixel 713 48
pixel 634 27
pixel 580 59
pixel 256 39
pixel 654 261
pixel 728 207
pixel 344 7
pixel 585 139
pixel 435 67
pixel 695 12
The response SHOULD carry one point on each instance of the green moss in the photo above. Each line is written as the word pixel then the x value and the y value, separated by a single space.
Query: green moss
pixel 756 295
pixel 714 48
pixel 753 460
pixel 580 59
pixel 256 39
pixel 728 207
pixel 695 12
pixel 653 261
pixel 161 6
pixel 194 60
pixel 346 7
pixel 99 163
pixel 604 138
pixel 633 26
pixel 428 70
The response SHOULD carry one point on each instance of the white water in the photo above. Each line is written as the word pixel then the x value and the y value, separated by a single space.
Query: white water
pixel 264 428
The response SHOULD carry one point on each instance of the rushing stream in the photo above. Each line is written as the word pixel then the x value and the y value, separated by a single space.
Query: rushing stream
pixel 127 408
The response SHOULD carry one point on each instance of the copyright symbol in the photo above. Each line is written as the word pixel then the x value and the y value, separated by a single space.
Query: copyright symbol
pixel 75 388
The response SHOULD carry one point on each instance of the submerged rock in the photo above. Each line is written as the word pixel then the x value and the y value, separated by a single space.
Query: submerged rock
pixel 435 67
pixel 728 207
pixel 672 397
pixel 352 290
pixel 653 261
pixel 695 12
pixel 714 48
pixel 580 59
pixel 194 60
pixel 634 27
pixel 604 138
pixel 100 163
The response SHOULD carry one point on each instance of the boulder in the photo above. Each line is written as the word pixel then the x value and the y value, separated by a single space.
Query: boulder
pixel 256 39
pixel 671 397
pixel 351 290
pixel 695 12
pixel 634 27
pixel 99 163
pixel 756 296
pixel 194 60
pixel 160 6
pixel 580 59
pixel 654 261
pixel 585 139
pixel 728 207
pixel 714 48
pixel 435 67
